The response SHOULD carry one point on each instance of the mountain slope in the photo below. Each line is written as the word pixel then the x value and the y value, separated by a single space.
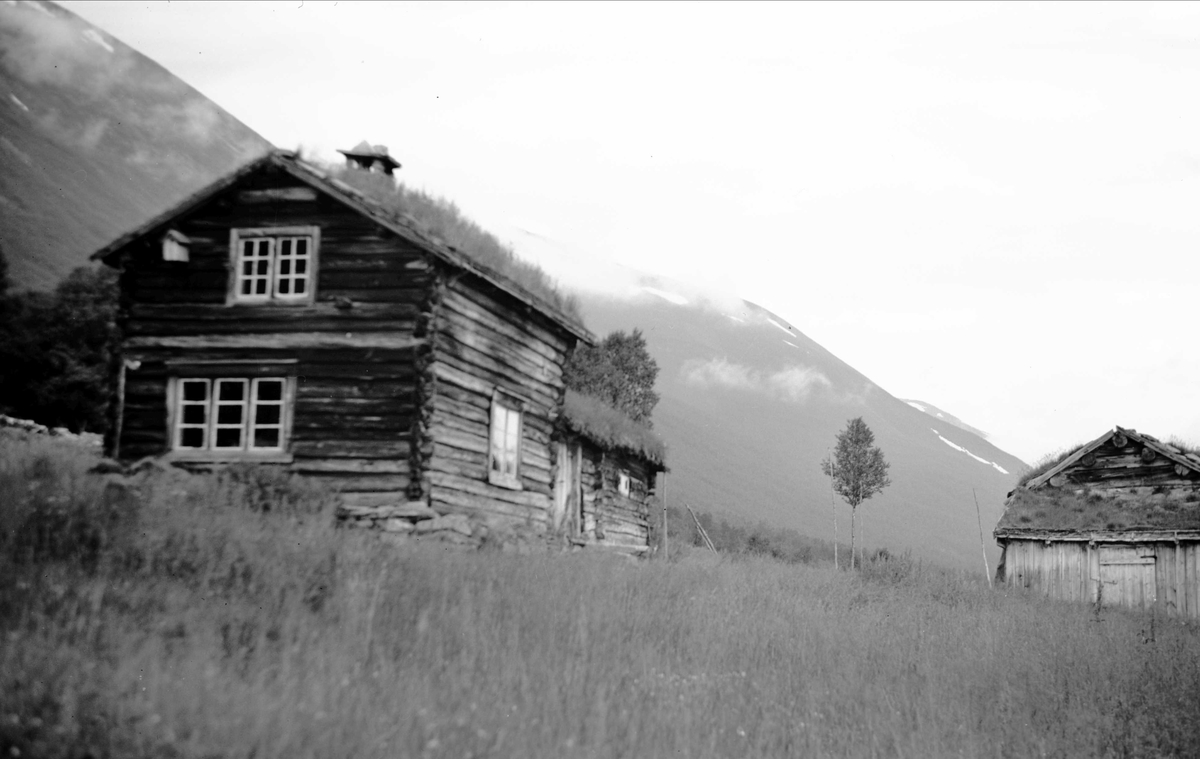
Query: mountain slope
pixel 750 406
pixel 94 138
pixel 945 417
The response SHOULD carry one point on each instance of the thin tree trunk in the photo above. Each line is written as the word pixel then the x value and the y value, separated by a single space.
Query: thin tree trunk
pixel 862 542
pixel 833 508
pixel 853 511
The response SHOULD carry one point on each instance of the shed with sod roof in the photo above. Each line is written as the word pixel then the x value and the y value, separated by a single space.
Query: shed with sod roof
pixel 1114 522
pixel 607 473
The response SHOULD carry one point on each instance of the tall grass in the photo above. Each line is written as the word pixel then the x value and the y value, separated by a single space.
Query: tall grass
pixel 191 621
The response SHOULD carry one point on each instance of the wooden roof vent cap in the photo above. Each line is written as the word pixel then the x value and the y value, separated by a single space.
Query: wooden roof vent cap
pixel 370 158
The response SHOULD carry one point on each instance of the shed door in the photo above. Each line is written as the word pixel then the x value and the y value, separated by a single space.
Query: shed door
pixel 567 488
pixel 1127 576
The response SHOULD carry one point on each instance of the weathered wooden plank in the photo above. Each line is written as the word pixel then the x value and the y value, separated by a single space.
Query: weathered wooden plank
pixel 277 340
pixel 453 369
pixel 458 312
pixel 350 466
pixel 361 483
pixel 498 360
pixel 372 295
pixel 310 387
pixel 312 446
pixel 443 419
pixel 441 480
pixel 449 501
pixel 477 407
pixel 529 320
pixel 484 336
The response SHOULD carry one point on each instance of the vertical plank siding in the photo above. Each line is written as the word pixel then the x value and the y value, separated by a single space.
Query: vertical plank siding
pixel 1162 575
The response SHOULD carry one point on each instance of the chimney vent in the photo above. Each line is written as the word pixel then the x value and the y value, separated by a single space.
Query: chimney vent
pixel 371 158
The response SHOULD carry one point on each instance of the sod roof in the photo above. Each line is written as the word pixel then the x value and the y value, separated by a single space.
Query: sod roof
pixel 1068 511
pixel 1036 506
pixel 593 419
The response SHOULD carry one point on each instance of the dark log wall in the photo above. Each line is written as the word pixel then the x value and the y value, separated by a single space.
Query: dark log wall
pixel 356 395
pixel 483 341
pixel 609 517
pixel 1125 468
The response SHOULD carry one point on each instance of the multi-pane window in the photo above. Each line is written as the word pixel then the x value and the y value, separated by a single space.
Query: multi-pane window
pixel 504 456
pixel 230 414
pixel 273 265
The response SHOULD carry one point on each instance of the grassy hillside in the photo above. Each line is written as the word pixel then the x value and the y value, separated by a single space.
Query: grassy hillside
pixel 200 616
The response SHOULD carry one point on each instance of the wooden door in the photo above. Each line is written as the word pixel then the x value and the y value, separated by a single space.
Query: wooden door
pixel 1127 576
pixel 567 486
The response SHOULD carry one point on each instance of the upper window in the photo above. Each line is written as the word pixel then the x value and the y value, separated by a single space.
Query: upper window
pixel 504 453
pixel 273 264
pixel 231 414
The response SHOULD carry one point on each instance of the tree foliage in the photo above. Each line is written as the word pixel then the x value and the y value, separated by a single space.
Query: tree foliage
pixel 56 351
pixel 619 371
pixel 857 468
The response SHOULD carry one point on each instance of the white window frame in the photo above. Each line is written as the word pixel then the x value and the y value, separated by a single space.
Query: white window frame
pixel 506 434
pixel 249 403
pixel 269 241
pixel 623 482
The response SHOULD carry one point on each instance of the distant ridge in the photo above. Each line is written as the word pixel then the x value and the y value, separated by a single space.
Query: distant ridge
pixel 944 416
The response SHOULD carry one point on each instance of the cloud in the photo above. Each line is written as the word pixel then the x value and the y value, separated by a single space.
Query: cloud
pixel 794 383
pixel 45 48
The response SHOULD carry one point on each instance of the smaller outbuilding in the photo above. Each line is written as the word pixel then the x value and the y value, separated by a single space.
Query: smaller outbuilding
pixel 1115 521
pixel 606 476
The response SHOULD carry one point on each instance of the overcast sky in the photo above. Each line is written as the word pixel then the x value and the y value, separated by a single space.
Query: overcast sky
pixel 992 208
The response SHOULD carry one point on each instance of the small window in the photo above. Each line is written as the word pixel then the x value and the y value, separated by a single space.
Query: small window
pixel 273 265
pixel 227 414
pixel 504 452
pixel 623 483
pixel 175 246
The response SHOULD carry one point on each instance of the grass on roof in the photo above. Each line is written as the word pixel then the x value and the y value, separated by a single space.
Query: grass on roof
pixel 1046 463
pixel 594 419
pixel 443 219
pixel 1069 510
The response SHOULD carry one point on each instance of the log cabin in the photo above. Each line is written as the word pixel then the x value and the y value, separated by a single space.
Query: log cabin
pixel 280 317
pixel 607 484
pixel 1115 522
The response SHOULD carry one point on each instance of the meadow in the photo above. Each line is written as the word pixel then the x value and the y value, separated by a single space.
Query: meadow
pixel 172 615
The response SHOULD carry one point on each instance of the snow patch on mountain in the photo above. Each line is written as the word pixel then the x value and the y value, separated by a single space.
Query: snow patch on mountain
pixel 17 100
pixel 777 324
pixel 789 342
pixel 92 35
pixel 670 297
pixel 980 459
pixel 918 407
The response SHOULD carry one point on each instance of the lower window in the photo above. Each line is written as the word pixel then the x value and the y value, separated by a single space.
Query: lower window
pixel 231 414
pixel 504 452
